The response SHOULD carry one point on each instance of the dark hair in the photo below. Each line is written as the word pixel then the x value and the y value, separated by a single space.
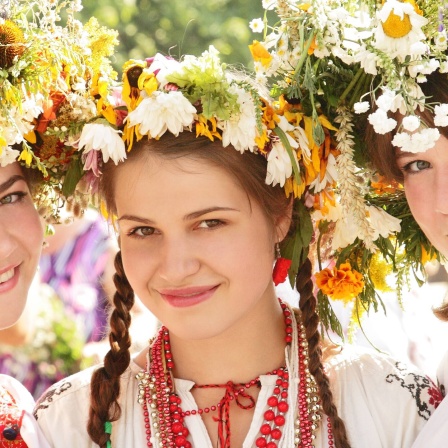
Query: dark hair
pixel 379 147
pixel 32 176
pixel 106 380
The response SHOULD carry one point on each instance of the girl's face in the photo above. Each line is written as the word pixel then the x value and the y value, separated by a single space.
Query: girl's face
pixel 426 187
pixel 195 249
pixel 21 238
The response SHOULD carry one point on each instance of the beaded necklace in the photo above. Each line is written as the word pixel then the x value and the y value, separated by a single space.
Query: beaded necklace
pixel 162 405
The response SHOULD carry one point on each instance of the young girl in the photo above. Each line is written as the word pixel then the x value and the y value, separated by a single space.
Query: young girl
pixel 424 176
pixel 46 78
pixel 21 239
pixel 199 221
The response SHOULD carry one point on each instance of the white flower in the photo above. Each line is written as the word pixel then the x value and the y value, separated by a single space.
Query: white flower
pixel 279 165
pixel 441 115
pixel 161 112
pixel 400 46
pixel 269 4
pixel 417 142
pixel 386 100
pixel 256 25
pixel 368 60
pixel 381 123
pixel 382 223
pixel 331 176
pixel 287 127
pixel 411 123
pixel 361 107
pixel 241 129
pixel 104 138
pixel 8 155
pixel 164 67
pixel 345 233
pixel 441 40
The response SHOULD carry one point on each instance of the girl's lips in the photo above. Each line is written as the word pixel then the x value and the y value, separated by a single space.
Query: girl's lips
pixel 8 279
pixel 186 297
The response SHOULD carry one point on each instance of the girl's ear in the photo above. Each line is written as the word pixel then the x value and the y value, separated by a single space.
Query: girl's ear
pixel 284 223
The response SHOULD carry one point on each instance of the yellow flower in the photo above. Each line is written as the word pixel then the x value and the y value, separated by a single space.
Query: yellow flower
pixel 148 82
pixel 131 74
pixel 397 27
pixel 207 128
pixel 291 187
pixel 379 270
pixel 428 256
pixel 11 43
pixel 343 283
pixel 101 43
pixel 26 156
pixel 260 54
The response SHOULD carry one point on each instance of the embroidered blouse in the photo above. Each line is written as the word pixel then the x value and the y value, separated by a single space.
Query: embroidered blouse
pixel 383 404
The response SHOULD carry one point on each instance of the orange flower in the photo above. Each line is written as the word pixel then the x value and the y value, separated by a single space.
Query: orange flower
pixel 260 54
pixel 381 185
pixel 343 283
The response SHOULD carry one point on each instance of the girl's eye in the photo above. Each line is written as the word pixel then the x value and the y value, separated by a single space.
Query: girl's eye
pixel 416 166
pixel 12 198
pixel 210 223
pixel 141 232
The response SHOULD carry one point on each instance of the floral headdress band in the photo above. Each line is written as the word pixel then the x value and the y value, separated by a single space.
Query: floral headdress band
pixel 196 94
pixel 331 60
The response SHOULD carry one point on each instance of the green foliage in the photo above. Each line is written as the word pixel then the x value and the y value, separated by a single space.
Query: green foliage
pixel 296 246
pixel 177 27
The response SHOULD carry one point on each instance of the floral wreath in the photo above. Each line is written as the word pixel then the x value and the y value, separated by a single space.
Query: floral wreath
pixel 329 60
pixel 52 81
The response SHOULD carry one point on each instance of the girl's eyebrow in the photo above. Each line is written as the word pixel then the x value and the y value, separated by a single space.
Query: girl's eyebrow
pixel 204 211
pixel 11 181
pixel 188 217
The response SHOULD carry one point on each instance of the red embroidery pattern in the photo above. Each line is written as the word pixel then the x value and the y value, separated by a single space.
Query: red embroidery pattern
pixel 10 421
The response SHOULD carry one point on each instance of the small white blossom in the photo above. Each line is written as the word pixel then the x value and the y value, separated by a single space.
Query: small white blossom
pixel 417 142
pixel 361 107
pixel 256 25
pixel 269 4
pixel 411 123
pixel 381 123
pixel 441 115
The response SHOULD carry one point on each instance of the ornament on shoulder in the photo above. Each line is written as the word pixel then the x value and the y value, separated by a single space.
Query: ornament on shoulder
pixel 11 417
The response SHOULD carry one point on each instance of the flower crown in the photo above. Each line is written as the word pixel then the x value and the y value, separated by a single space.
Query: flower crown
pixel 196 94
pixel 52 80
pixel 329 60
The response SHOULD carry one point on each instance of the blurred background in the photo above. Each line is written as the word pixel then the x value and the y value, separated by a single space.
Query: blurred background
pixel 177 27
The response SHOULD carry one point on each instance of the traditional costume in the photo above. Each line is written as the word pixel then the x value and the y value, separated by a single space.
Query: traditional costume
pixel 383 404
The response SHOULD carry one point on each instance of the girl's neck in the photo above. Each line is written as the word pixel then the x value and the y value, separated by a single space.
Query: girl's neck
pixel 253 346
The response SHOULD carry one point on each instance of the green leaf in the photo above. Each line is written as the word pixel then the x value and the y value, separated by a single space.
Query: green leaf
pixel 296 247
pixel 72 177
pixel 327 315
